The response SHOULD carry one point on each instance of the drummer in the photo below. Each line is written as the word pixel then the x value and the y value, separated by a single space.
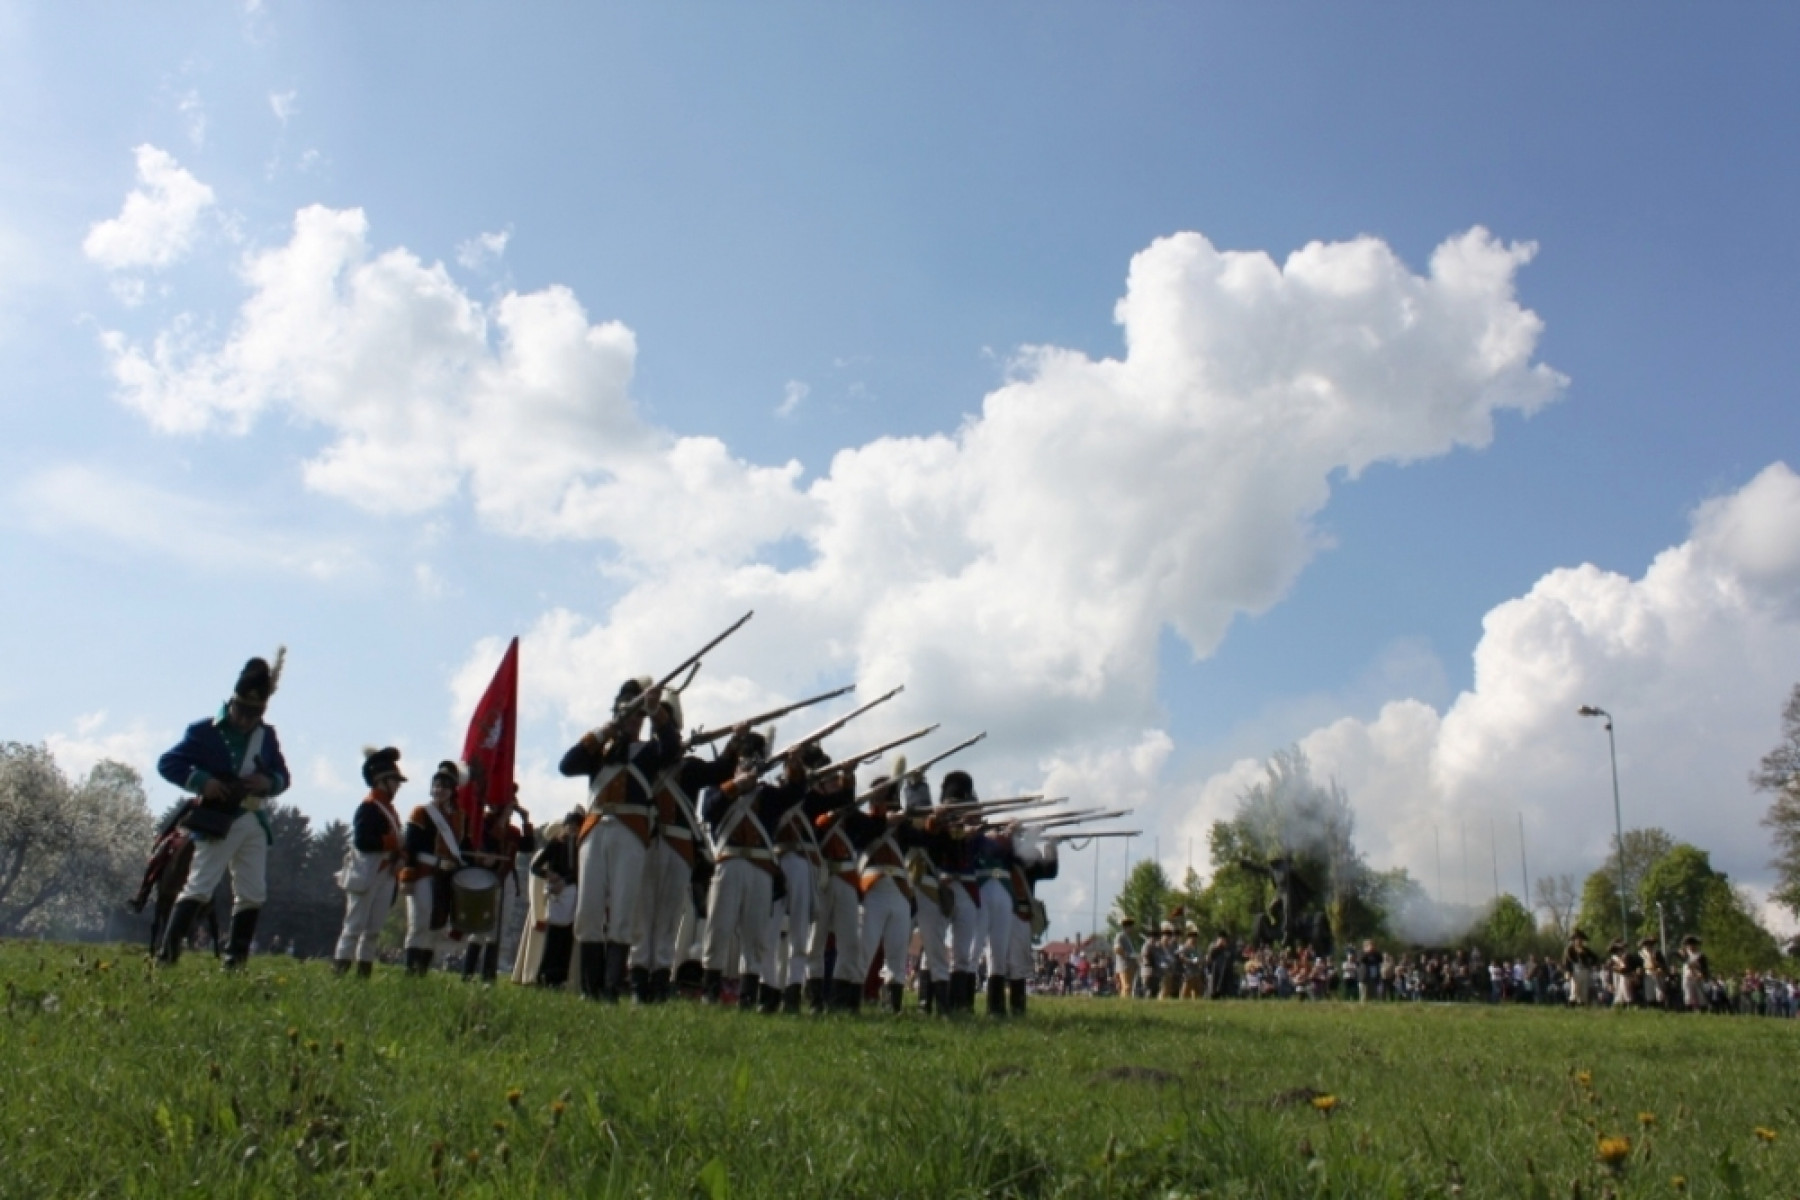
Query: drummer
pixel 434 848
pixel 501 844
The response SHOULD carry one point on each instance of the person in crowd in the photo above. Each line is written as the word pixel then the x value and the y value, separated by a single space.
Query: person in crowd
pixel 371 872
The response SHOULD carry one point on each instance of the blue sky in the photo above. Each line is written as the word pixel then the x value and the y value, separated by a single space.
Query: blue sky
pixel 871 214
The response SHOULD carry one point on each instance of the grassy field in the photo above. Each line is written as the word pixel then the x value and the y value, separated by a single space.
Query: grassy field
pixel 286 1081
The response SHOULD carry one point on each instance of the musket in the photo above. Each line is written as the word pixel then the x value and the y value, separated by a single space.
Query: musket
pixel 826 730
pixel 1052 820
pixel 855 760
pixel 707 737
pixel 1092 833
pixel 920 769
pixel 970 806
pixel 692 660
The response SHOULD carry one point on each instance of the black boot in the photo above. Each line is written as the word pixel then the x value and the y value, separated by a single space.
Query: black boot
pixel 768 999
pixel 490 962
pixel 181 923
pixel 815 996
pixel 844 995
pixel 790 999
pixel 243 932
pixel 471 962
pixel 962 992
pixel 712 986
pixel 418 962
pixel 365 970
pixel 638 980
pixel 616 955
pixel 940 997
pixel 996 996
pixel 927 995
pixel 662 986
pixel 1016 993
pixel 592 966
pixel 894 992
pixel 340 966
pixel 747 987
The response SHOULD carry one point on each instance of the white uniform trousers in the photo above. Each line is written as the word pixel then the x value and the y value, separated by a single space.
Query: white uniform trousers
pixel 1021 963
pixel 365 912
pixel 419 933
pixel 689 929
pixel 737 916
pixel 934 929
pixel 887 924
pixel 245 850
pixel 530 954
pixel 965 930
pixel 611 869
pixel 997 923
pixel 802 890
pixel 839 916
pixel 663 895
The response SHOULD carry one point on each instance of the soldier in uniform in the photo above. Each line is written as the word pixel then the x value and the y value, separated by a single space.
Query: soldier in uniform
pixel 1579 962
pixel 837 918
pixel 1034 862
pixel 741 814
pixel 371 869
pixel 615 838
pixel 935 893
pixel 1695 972
pixel 436 836
pixel 502 842
pixel 955 857
pixel 553 866
pixel 232 763
pixel 666 894
pixel 886 886
pixel 1656 973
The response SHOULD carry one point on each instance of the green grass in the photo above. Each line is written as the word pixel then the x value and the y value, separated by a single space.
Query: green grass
pixel 287 1081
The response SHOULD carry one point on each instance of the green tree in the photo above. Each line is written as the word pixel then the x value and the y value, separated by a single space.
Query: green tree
pixel 1508 930
pixel 1779 775
pixel 1599 915
pixel 1145 896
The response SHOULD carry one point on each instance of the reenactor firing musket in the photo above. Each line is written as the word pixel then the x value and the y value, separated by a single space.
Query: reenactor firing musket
pixel 1052 820
pixel 921 768
pixel 826 730
pixel 690 664
pixel 707 737
pixel 975 807
pixel 874 752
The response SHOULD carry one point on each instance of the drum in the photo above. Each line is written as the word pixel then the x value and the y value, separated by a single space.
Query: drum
pixel 474 901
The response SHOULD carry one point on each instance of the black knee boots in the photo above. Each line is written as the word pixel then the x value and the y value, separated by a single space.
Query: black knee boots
pixel 815 996
pixel 340 966
pixel 181 924
pixel 365 970
pixel 1016 993
pixel 617 953
pixel 471 962
pixel 637 979
pixel 418 962
pixel 996 996
pixel 962 991
pixel 712 986
pixel 892 994
pixel 591 963
pixel 940 997
pixel 243 932
pixel 662 986
pixel 747 988
pixel 790 999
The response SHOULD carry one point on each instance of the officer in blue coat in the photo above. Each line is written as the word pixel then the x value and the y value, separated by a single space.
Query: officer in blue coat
pixel 232 765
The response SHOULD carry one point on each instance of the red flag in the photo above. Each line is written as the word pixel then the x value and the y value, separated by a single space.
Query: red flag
pixel 488 749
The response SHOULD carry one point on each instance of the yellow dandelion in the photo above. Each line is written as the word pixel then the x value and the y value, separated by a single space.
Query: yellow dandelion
pixel 474 1158
pixel 1678 1182
pixel 104 966
pixel 293 1035
pixel 1613 1150
pixel 1647 1119
pixel 312 1045
pixel 1325 1103
pixel 1764 1134
pixel 557 1108
pixel 1584 1078
pixel 514 1095
pixel 281 981
pixel 500 1128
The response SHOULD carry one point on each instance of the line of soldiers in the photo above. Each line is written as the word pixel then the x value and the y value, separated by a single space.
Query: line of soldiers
pixel 797 887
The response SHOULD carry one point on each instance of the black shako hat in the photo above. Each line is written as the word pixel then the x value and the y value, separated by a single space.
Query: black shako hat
pixel 258 681
pixel 379 764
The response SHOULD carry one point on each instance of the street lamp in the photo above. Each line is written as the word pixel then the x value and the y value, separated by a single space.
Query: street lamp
pixel 1588 710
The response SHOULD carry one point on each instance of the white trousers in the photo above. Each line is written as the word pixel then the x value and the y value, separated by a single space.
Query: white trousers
pixel 365 913
pixel 663 896
pixel 934 930
pixel 688 931
pixel 1021 963
pixel 245 851
pixel 419 933
pixel 965 931
pixel 737 916
pixel 802 890
pixel 610 873
pixel 886 924
pixel 997 923
pixel 839 915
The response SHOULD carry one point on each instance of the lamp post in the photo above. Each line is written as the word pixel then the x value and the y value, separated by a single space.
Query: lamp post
pixel 1588 710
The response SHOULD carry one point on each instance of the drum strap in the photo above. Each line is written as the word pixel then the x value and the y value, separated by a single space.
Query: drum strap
pixel 443 828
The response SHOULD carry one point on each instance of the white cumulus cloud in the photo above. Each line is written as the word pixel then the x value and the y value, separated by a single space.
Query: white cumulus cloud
pixel 1693 660
pixel 157 224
